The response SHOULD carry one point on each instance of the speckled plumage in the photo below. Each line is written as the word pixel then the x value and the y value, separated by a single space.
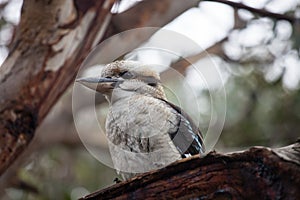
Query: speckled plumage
pixel 144 130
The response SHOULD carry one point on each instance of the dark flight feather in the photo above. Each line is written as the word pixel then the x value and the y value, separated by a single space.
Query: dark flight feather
pixel 187 138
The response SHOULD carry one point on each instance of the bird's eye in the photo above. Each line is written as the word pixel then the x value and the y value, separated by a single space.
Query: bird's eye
pixel 107 76
pixel 126 75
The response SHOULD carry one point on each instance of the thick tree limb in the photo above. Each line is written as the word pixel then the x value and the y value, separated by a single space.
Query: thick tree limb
pixel 52 40
pixel 147 13
pixel 258 173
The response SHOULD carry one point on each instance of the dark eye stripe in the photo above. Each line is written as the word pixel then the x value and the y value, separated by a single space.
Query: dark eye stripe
pixel 126 74
pixel 150 80
pixel 152 84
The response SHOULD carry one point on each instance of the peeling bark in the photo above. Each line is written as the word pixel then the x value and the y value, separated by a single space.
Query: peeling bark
pixel 258 173
pixel 51 41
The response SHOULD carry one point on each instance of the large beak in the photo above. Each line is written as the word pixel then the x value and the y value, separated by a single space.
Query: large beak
pixel 102 85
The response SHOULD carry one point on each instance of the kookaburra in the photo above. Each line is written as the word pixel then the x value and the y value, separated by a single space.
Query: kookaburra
pixel 144 130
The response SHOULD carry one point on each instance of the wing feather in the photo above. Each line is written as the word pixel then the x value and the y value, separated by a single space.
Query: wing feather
pixel 187 138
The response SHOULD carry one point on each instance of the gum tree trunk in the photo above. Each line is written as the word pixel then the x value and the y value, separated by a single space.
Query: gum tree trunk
pixel 51 41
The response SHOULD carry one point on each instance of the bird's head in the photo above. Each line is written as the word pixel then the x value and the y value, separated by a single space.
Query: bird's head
pixel 123 78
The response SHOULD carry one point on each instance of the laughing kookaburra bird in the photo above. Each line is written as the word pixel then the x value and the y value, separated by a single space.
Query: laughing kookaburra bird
pixel 144 130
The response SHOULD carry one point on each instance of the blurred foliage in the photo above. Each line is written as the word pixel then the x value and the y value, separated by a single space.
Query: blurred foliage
pixel 263 103
pixel 264 113
pixel 62 173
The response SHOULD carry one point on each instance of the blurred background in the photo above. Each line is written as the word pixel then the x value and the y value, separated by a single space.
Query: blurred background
pixel 254 45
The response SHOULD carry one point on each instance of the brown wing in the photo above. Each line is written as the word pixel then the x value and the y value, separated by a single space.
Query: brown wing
pixel 187 138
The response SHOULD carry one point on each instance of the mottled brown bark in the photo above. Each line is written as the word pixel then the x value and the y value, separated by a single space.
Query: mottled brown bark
pixel 258 173
pixel 51 41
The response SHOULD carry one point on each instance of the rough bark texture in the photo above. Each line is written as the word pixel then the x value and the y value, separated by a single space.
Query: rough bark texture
pixel 51 41
pixel 258 173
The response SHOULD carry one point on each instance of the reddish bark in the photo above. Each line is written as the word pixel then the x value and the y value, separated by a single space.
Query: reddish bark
pixel 258 173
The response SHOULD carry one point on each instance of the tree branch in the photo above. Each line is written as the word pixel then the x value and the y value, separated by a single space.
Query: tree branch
pixel 261 12
pixel 258 173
